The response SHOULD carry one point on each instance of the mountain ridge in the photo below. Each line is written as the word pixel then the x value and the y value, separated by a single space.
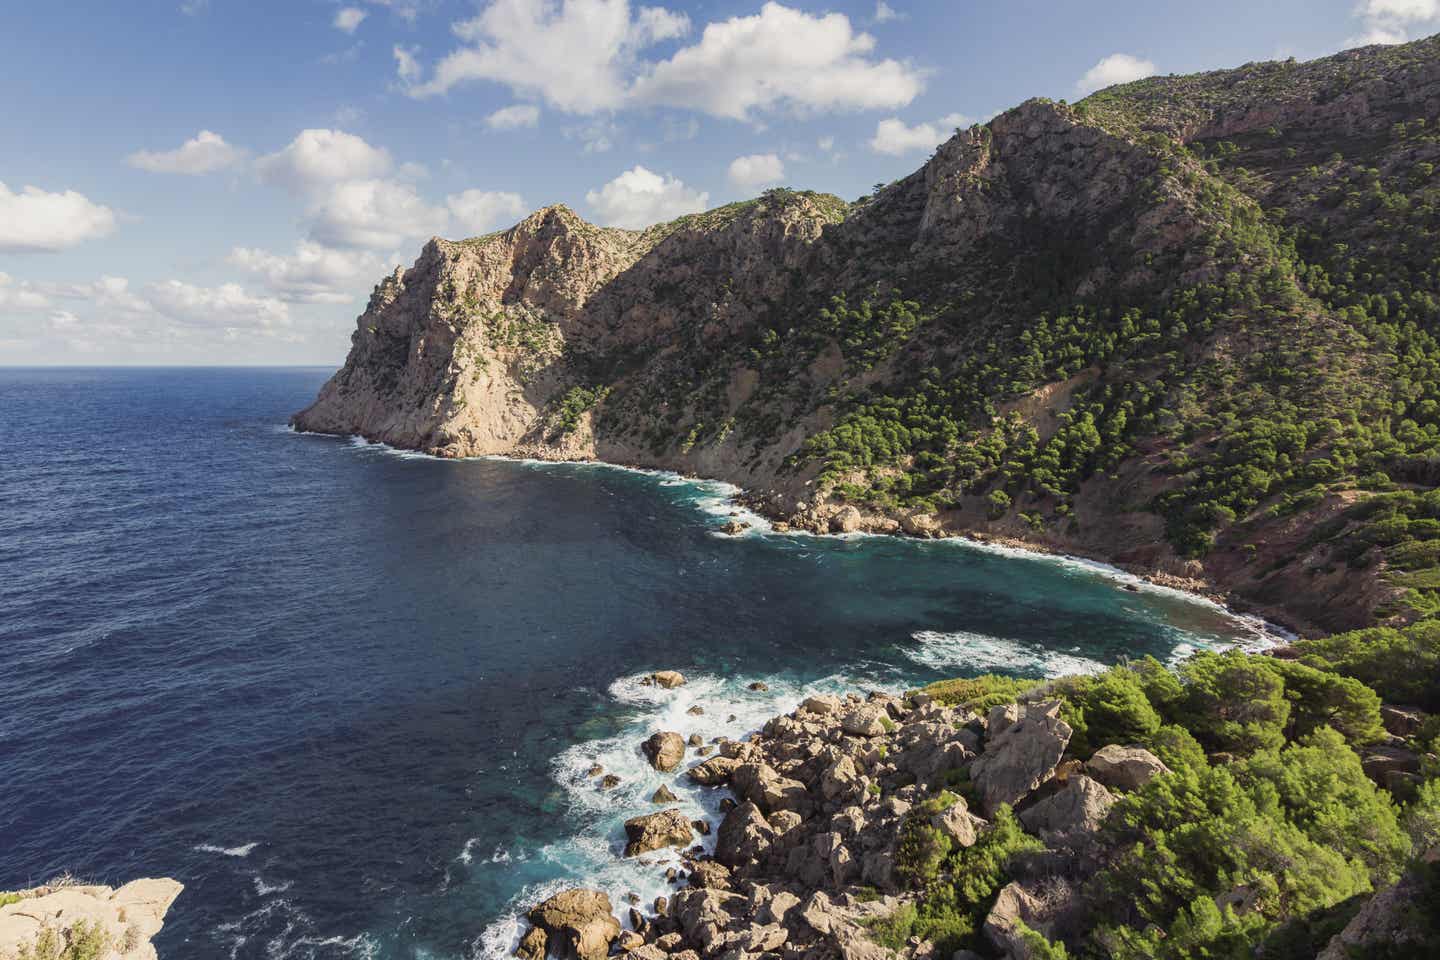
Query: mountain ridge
pixel 1167 326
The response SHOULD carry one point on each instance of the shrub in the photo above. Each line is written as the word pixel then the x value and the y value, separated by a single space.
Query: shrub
pixel 1111 708
pixel 1233 702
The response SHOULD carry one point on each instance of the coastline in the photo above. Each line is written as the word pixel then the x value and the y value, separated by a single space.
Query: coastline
pixel 1277 622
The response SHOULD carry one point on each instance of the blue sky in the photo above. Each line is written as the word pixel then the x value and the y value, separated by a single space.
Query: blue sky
pixel 223 181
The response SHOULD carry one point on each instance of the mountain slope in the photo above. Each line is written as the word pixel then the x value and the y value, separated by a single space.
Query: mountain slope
pixel 1186 325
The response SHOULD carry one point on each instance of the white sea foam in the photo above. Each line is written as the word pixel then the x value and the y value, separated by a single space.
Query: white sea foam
pixel 944 650
pixel 591 857
pixel 264 889
pixel 241 851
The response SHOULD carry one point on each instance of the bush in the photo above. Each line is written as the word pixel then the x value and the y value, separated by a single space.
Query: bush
pixel 979 693
pixel 1111 708
pixel 1233 702
pixel 1401 665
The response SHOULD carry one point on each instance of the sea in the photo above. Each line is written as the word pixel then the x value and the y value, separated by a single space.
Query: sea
pixel 350 696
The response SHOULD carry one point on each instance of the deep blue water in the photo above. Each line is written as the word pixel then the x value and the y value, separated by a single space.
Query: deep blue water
pixel 348 696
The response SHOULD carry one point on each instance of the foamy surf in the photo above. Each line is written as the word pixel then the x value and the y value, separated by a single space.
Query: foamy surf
pixel 241 851
pixel 962 649
pixel 592 856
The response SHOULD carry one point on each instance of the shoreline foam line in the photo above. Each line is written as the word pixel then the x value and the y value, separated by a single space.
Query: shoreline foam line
pixel 1267 634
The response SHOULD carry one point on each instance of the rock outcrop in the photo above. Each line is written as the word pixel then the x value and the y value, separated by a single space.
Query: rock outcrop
pixel 1125 768
pixel 656 831
pixel 1019 755
pixel 122 920
pixel 664 750
pixel 577 924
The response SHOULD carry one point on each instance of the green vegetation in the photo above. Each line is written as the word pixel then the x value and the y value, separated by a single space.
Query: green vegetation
pixel 81 941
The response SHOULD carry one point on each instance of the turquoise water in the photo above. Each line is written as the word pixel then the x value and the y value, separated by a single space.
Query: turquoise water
pixel 349 696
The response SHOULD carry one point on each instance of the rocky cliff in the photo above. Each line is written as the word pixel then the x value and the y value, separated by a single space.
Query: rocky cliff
pixel 1184 325
pixel 65 919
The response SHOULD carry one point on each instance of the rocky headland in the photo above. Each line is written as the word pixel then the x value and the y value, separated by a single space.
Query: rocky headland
pixel 1140 328
pixel 66 919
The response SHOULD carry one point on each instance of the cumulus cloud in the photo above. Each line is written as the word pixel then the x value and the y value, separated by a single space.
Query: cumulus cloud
pixel 206 152
pixel 480 211
pixel 756 170
pixel 348 19
pixel 779 57
pixel 1395 21
pixel 1116 68
pixel 377 214
pixel 34 220
pixel 317 157
pixel 573 54
pixel 513 118
pixel 894 137
pixel 227 306
pixel 314 273
pixel 583 56
pixel 638 197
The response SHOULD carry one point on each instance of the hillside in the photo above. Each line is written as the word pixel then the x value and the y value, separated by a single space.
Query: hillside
pixel 1186 325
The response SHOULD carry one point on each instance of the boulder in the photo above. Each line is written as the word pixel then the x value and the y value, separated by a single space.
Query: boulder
pixel 1379 760
pixel 577 923
pixel 847 520
pixel 695 740
pixel 664 750
pixel 669 679
pixel 866 720
pixel 1402 721
pixel 710 874
pixel 532 945
pixel 842 780
pixel 704 914
pixel 744 836
pixel 1020 757
pixel 664 795
pixel 958 823
pixel 1080 806
pixel 656 831
pixel 759 686
pixel 821 706
pixel 609 782
pixel 761 785
pixel 1014 906
pixel 713 772
pixel 1125 768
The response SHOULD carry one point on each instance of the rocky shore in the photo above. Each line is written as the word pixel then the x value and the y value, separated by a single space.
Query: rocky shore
pixel 813 843
pixel 68 919
pixel 829 812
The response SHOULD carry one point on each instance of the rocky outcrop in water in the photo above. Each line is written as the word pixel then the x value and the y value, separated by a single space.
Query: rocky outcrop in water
pixel 116 924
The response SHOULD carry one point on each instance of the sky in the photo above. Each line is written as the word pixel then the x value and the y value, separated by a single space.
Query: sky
pixel 224 181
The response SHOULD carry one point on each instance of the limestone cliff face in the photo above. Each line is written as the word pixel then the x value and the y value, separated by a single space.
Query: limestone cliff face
pixel 752 342
pixel 118 922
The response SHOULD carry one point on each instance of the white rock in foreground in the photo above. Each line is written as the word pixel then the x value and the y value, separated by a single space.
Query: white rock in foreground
pixel 128 917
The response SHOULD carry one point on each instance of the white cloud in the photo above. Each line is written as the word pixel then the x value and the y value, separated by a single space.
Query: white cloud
pixel 1116 68
pixel 826 144
pixel 227 306
pixel 637 198
pixel 407 64
pixel 378 214
pixel 884 13
pixel 480 211
pixel 206 152
pixel 20 295
pixel 779 57
pixel 316 157
pixel 573 54
pixel 1392 21
pixel 756 170
pixel 348 19
pixel 514 117
pixel 582 56
pixel 36 221
pixel 313 273
pixel 894 137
